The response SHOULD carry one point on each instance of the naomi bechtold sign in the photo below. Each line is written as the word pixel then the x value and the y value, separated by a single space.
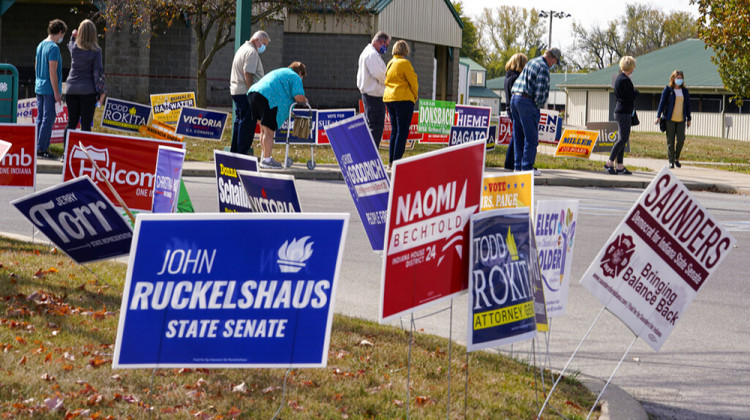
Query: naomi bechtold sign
pixel 657 260
pixel 230 290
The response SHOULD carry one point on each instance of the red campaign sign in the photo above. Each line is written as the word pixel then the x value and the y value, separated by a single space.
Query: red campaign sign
pixel 433 196
pixel 414 134
pixel 61 122
pixel 504 131
pixel 128 163
pixel 18 167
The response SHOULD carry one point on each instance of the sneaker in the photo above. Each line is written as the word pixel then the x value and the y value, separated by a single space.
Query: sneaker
pixel 610 169
pixel 537 172
pixel 677 164
pixel 270 163
pixel 624 171
pixel 671 166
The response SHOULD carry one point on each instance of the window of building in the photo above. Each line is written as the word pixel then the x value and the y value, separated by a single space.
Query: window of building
pixel 477 78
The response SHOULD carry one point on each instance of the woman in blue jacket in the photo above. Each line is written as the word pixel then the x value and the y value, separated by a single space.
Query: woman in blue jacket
pixel 674 107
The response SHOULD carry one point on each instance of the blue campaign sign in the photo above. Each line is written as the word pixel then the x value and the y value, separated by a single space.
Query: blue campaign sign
pixel 270 193
pixel 167 179
pixel 259 294
pixel 364 174
pixel 473 116
pixel 124 115
pixel 280 135
pixel 491 138
pixel 232 197
pixel 79 219
pixel 201 123
pixel 327 117
pixel 461 135
pixel 501 297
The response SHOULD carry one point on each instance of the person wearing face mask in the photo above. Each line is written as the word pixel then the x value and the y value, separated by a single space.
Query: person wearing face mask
pixel 625 92
pixel 528 96
pixel 247 69
pixel 371 83
pixel 674 107
pixel 48 85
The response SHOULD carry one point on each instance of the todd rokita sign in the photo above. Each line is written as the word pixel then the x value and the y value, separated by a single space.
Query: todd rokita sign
pixel 259 294
pixel 124 115
pixel 501 298
pixel 18 165
pixel 364 173
pixel 270 193
pixel 427 237
pixel 657 259
pixel 128 163
pixel 79 219
pixel 232 197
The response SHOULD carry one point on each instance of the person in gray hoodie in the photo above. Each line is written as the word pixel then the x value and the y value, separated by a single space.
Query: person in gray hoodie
pixel 85 84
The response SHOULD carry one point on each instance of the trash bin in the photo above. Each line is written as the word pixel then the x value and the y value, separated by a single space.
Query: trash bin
pixel 8 93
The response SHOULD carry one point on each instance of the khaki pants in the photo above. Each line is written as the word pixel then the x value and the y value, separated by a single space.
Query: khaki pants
pixel 675 131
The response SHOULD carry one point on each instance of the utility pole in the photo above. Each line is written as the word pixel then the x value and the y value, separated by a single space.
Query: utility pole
pixel 550 14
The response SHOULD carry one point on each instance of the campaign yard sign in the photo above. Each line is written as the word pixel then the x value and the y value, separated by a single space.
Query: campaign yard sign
pixel 125 116
pixel 608 136
pixel 576 143
pixel 167 180
pixel 258 295
pixel 60 124
pixel 128 163
pixel 201 123
pixel 413 136
pixel 4 147
pixel 328 117
pixel 79 219
pixel 502 191
pixel 18 165
pixel 550 126
pixel 658 259
pixel 461 135
pixel 364 174
pixel 232 197
pixel 24 110
pixel 555 227
pixel 160 131
pixel 491 138
pixel 280 135
pixel 501 299
pixel 427 236
pixel 166 106
pixel 504 131
pixel 472 116
pixel 270 193
pixel 436 117
pixel 537 287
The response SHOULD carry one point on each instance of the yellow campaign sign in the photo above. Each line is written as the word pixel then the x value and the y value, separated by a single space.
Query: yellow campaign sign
pixel 576 143
pixel 510 190
pixel 166 106
pixel 504 316
pixel 160 131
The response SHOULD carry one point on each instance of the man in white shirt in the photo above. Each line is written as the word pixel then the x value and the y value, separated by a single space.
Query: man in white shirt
pixel 371 83
pixel 246 70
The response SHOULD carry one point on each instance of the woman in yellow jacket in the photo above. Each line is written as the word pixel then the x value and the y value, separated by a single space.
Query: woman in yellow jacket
pixel 400 95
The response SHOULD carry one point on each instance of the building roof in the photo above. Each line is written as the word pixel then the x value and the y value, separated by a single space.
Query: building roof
pixel 481 92
pixel 379 5
pixel 555 80
pixel 473 65
pixel 653 69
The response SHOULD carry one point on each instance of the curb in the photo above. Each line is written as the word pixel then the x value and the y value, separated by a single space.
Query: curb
pixel 616 403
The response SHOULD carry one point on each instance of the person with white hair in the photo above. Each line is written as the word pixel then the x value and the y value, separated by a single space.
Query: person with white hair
pixel 247 69
pixel 371 83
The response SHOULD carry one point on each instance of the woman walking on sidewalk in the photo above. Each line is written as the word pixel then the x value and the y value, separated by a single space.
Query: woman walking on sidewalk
pixel 625 93
pixel 674 107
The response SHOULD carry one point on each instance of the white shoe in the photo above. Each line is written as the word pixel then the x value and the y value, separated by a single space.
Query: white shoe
pixel 270 163
pixel 537 172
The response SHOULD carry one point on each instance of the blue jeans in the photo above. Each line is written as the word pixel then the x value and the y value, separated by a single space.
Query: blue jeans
pixel 243 128
pixel 525 131
pixel 46 116
pixel 401 113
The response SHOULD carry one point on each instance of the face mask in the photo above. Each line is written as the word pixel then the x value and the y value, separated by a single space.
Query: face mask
pixel 678 82
pixel 383 49
pixel 59 40
pixel 261 48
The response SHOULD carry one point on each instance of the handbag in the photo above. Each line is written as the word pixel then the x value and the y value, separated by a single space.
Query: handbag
pixel 662 125
pixel 301 128
pixel 634 119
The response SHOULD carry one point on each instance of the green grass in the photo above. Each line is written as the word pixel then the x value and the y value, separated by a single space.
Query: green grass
pixel 722 154
pixel 58 326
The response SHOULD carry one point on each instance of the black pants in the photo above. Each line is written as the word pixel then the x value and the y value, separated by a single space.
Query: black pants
pixel 401 113
pixel 375 115
pixel 623 135
pixel 243 128
pixel 81 107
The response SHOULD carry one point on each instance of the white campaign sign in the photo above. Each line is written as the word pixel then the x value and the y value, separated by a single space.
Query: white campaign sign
pixel 658 258
pixel 555 227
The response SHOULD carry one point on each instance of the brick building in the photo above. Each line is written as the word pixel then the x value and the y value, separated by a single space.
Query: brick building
pixel 137 65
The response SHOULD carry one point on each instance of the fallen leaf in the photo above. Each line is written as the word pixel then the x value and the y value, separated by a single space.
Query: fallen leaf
pixel 423 400
pixel 23 361
pixel 234 412
pixel 116 377
pixel 47 377
pixel 53 404
pixel 95 399
pixel 366 343
pixel 269 389
pixel 69 356
pixel 398 403
pixel 48 357
pixel 295 405
pixel 20 340
pixel 96 362
pixel 241 388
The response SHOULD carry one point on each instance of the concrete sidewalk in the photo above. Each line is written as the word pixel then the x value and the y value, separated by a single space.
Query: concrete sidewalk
pixel 694 177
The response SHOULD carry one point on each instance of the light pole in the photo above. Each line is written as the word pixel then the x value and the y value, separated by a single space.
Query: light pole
pixel 552 14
